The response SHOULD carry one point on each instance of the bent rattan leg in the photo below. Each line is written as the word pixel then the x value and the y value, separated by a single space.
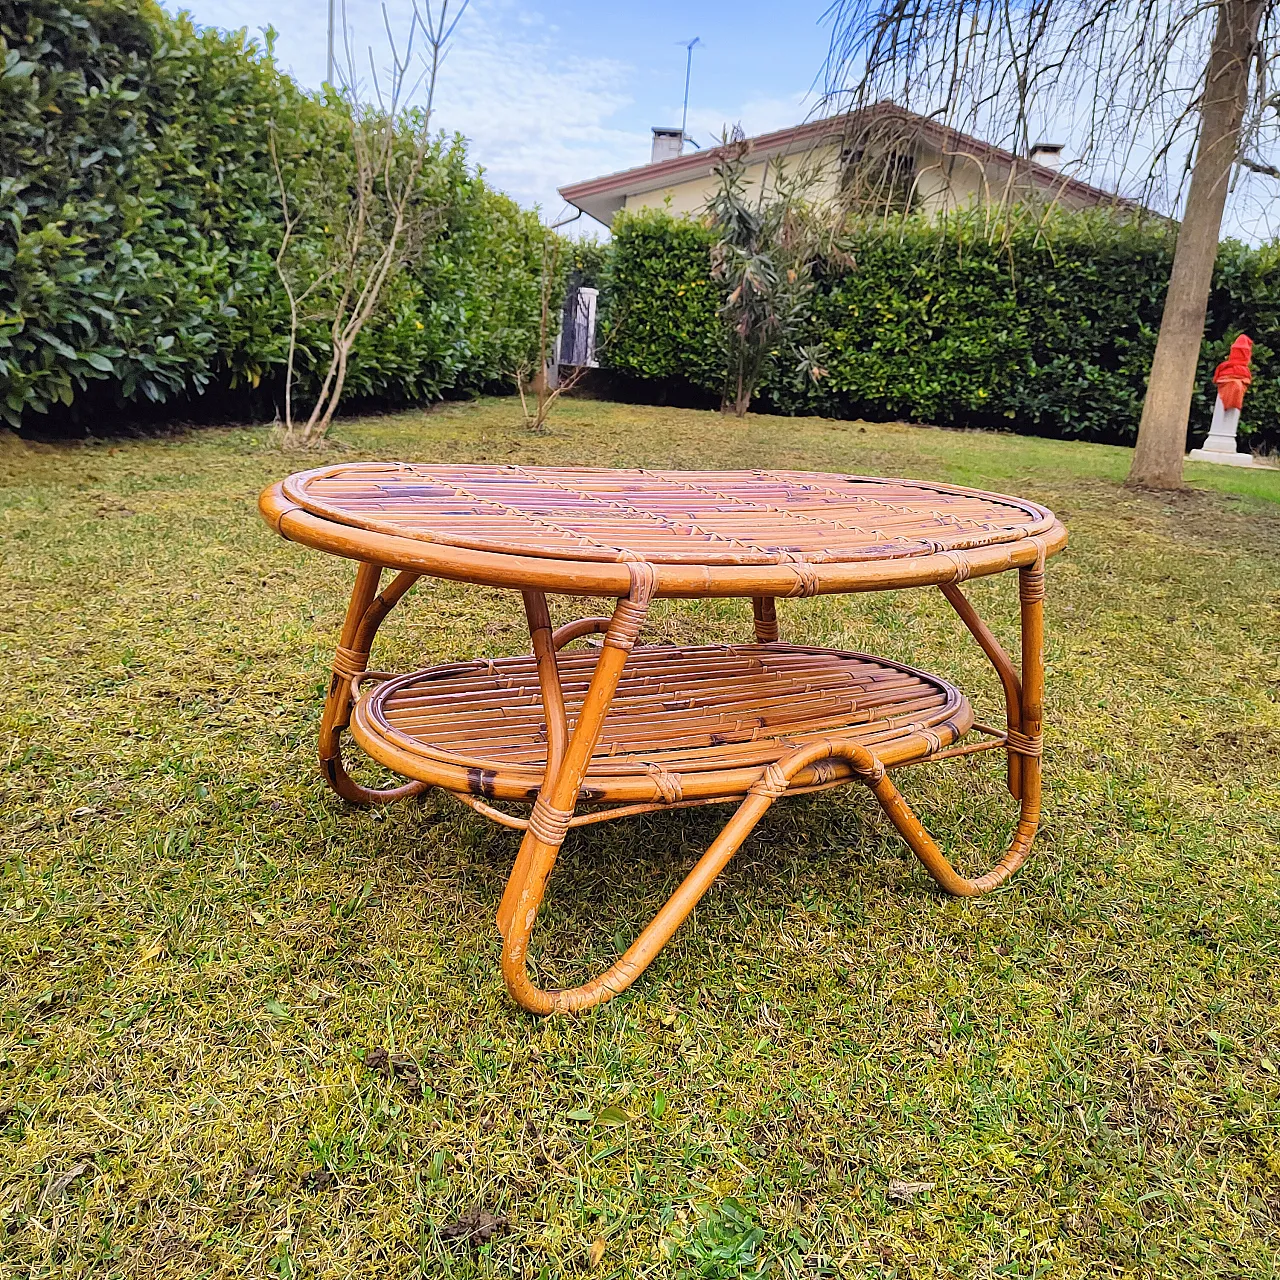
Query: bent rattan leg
pixel 872 772
pixel 365 614
pixel 637 957
pixel 553 810
pixel 549 822
pixel 633 962
pixel 1023 712
pixel 1025 743
pixel 1004 667
pixel 926 849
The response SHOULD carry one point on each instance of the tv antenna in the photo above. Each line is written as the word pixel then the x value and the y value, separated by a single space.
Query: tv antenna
pixel 688 69
pixel 328 66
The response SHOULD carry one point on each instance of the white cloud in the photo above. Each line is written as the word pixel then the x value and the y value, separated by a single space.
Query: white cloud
pixel 536 111
pixel 537 116
pixel 756 115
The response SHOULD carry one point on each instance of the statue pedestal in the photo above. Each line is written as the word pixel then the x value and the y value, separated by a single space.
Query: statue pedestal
pixel 1221 444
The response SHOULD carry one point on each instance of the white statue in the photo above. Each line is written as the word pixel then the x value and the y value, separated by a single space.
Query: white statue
pixel 1232 378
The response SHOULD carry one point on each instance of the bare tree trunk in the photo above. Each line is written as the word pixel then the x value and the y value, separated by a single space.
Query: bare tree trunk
pixel 1162 434
pixel 738 400
pixel 330 408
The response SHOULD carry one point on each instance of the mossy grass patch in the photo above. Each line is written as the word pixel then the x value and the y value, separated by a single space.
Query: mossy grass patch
pixel 246 1030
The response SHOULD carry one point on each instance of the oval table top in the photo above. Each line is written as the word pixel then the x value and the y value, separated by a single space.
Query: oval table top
pixel 742 532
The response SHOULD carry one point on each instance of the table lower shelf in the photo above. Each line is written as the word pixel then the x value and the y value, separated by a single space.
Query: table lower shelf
pixel 686 724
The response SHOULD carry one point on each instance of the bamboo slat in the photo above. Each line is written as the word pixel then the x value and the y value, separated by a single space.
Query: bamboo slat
pixel 664 517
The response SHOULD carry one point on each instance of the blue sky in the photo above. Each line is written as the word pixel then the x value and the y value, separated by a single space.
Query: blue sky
pixel 555 93
pixel 551 93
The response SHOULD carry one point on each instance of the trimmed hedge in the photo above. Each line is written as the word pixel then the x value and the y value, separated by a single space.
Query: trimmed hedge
pixel 139 218
pixel 1046 334
pixel 661 307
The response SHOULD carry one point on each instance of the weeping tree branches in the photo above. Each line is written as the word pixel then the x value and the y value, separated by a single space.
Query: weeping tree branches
pixel 1162 433
pixel 378 208
pixel 1165 98
pixel 1120 77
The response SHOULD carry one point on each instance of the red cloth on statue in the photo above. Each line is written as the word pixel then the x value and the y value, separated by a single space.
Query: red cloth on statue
pixel 1232 376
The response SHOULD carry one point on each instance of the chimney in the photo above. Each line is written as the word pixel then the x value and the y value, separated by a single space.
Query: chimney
pixel 667 144
pixel 1048 154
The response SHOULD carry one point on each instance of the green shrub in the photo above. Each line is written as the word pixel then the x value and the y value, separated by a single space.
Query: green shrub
pixel 586 262
pixel 661 313
pixel 139 218
pixel 1044 331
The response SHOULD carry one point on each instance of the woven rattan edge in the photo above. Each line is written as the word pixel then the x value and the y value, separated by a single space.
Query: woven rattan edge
pixel 727 784
pixel 372 729
pixel 295 489
pixel 595 578
pixel 295 484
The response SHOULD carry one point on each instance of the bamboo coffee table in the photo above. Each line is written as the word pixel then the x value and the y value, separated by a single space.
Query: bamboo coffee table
pixel 629 728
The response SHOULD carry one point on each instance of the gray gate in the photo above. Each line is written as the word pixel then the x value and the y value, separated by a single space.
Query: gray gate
pixel 577 345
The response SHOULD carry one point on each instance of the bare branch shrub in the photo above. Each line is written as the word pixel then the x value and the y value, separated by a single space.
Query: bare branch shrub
pixel 378 209
pixel 541 381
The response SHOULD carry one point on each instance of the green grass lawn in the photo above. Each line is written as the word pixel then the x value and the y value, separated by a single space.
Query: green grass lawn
pixel 199 945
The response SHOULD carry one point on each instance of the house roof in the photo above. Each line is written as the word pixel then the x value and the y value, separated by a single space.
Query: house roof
pixel 603 197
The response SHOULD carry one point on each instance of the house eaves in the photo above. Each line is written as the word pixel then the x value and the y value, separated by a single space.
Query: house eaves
pixel 603 197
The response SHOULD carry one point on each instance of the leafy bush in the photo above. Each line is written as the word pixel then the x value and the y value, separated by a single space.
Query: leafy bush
pixel 661 309
pixel 1048 332
pixel 762 258
pixel 139 217
pixel 586 262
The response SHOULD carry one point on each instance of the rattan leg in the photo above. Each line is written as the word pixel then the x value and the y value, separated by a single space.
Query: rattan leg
pixel 926 849
pixel 554 809
pixel 1019 735
pixel 871 771
pixel 764 613
pixel 774 783
pixel 365 614
pixel 566 767
pixel 1005 669
pixel 544 646
pixel 1025 742
pixel 633 962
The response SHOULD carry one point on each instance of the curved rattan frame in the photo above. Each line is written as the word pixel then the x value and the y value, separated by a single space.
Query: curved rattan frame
pixel 544 536
pixel 671 581
pixel 829 761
